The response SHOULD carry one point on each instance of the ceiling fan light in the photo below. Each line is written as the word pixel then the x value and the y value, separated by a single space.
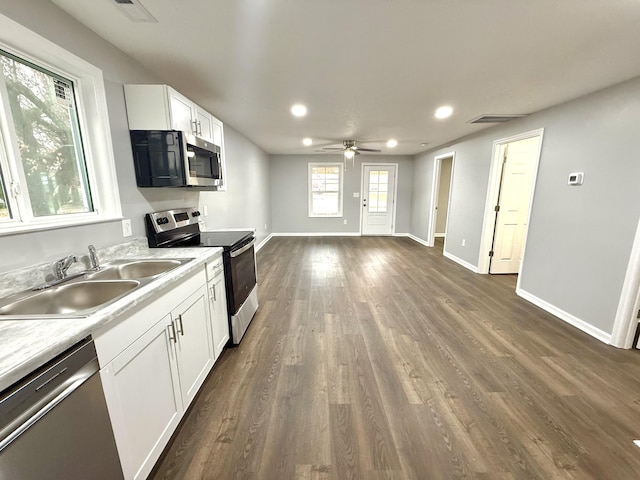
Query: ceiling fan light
pixel 392 143
pixel 349 154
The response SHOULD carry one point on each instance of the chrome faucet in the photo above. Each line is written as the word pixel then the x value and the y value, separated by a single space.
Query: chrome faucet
pixel 94 262
pixel 61 266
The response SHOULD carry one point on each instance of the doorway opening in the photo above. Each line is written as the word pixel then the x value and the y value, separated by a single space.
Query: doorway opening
pixel 509 198
pixel 440 200
pixel 379 187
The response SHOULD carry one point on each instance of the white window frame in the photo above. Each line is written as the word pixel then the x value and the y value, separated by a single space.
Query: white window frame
pixel 93 118
pixel 310 190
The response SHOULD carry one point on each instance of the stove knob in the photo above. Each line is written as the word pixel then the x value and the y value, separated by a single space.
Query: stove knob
pixel 195 213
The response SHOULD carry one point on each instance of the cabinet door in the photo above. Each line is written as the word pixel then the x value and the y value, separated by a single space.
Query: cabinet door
pixel 143 397
pixel 182 112
pixel 204 123
pixel 194 347
pixel 219 319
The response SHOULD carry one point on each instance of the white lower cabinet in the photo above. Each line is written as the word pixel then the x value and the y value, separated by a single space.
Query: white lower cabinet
pixel 154 361
pixel 193 343
pixel 143 396
pixel 218 306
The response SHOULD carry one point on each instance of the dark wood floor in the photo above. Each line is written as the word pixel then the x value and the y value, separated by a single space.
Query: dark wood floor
pixel 378 358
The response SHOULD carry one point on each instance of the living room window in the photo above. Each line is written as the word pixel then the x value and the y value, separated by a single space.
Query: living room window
pixel 55 140
pixel 325 190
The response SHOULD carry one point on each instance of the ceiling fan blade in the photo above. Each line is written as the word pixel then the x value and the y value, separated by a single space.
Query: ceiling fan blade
pixel 333 148
pixel 368 149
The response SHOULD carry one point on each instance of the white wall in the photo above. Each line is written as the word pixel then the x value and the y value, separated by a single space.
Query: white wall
pixel 579 237
pixel 289 193
pixel 118 69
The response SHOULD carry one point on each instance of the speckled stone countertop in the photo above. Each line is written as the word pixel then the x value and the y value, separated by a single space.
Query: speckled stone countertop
pixel 27 344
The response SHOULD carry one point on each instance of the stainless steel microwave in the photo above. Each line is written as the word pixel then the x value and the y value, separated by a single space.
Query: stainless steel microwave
pixel 171 158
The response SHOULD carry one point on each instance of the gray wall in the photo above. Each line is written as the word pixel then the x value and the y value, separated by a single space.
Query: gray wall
pixel 579 238
pixel 289 193
pixel 246 202
pixel 24 249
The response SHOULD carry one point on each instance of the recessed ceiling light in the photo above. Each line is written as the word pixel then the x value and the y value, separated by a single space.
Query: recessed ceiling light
pixel 444 112
pixel 307 141
pixel 424 144
pixel 299 110
pixel 392 143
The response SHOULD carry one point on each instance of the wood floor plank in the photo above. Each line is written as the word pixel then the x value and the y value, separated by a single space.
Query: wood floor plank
pixel 377 358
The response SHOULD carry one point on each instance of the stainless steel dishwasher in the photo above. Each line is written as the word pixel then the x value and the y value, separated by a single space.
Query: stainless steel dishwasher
pixel 54 423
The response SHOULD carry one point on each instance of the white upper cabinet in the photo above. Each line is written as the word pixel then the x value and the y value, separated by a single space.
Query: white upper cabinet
pixel 160 107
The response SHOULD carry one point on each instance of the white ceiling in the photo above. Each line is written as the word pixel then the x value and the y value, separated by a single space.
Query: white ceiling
pixel 374 69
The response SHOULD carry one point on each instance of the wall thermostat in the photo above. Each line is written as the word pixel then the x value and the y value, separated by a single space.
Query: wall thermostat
pixel 576 178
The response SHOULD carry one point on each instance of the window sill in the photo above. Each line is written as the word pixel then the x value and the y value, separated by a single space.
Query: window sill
pixel 18 228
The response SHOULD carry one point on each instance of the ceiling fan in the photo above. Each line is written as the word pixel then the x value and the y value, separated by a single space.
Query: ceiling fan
pixel 350 149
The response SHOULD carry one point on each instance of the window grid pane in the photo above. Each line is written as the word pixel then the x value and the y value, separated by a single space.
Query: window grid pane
pixel 325 190
pixel 378 188
pixel 45 120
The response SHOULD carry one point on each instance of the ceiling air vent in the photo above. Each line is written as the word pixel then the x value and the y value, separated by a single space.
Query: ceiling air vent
pixel 135 11
pixel 495 118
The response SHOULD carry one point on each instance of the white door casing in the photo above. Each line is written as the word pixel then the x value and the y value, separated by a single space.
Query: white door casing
pixel 435 191
pixel 513 204
pixel 488 225
pixel 379 182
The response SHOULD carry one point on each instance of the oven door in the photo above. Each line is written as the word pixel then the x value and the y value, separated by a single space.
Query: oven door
pixel 243 273
pixel 203 166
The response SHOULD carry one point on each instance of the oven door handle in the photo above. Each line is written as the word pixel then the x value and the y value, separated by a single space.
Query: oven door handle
pixel 235 253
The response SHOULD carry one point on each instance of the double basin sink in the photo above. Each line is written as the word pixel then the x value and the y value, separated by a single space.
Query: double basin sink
pixel 85 293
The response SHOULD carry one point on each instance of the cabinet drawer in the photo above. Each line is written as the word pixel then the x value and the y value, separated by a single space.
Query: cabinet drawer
pixel 214 267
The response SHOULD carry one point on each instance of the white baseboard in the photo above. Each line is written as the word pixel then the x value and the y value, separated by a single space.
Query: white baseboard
pixel 264 242
pixel 316 234
pixel 418 239
pixel 439 235
pixel 565 316
pixel 464 263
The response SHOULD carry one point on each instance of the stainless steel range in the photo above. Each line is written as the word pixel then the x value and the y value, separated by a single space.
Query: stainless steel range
pixel 180 228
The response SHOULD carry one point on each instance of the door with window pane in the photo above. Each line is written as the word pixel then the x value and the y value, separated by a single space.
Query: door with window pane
pixel 378 199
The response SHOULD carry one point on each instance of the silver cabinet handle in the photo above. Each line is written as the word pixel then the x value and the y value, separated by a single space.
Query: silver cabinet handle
pixel 212 290
pixel 199 128
pixel 194 128
pixel 181 329
pixel 171 329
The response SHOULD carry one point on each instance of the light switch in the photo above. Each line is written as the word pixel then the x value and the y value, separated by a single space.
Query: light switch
pixel 356 194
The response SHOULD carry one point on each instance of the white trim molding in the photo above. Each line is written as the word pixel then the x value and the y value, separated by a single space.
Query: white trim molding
pixel 626 321
pixel 316 234
pixel 417 239
pixel 459 261
pixel 565 316
pixel 264 242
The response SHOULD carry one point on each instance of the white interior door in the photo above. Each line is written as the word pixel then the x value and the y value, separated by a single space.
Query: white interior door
pixel 513 205
pixel 378 199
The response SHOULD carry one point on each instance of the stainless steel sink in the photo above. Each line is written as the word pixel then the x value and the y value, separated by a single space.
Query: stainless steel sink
pixel 85 293
pixel 72 298
pixel 134 270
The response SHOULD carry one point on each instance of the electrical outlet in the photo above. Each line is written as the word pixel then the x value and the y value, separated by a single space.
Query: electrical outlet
pixel 205 210
pixel 345 221
pixel 463 242
pixel 126 227
pixel 265 227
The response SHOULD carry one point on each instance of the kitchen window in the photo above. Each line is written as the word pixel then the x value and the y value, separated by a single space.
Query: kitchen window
pixel 325 189
pixel 54 137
